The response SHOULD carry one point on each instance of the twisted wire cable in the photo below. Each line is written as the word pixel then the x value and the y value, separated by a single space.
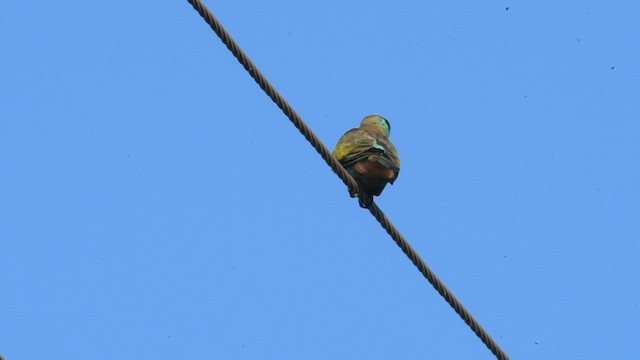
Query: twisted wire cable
pixel 275 96
pixel 433 279
pixel 335 165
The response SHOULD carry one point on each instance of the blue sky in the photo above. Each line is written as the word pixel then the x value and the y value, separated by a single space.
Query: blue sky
pixel 155 204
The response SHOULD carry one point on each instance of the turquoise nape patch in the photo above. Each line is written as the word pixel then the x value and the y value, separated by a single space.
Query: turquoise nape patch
pixel 385 124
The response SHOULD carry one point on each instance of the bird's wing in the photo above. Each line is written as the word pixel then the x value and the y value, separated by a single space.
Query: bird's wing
pixel 390 159
pixel 357 144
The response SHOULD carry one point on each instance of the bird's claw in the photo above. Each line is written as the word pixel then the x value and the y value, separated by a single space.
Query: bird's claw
pixel 365 200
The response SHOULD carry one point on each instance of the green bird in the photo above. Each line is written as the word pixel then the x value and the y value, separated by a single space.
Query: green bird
pixel 368 155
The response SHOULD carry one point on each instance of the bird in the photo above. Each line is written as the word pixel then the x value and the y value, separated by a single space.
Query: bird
pixel 369 156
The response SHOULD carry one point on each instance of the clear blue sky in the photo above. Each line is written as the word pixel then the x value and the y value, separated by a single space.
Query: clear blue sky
pixel 154 203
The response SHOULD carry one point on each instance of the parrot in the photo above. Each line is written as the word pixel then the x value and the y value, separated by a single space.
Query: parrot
pixel 368 155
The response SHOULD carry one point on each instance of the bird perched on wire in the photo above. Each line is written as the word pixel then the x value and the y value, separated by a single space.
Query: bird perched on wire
pixel 368 155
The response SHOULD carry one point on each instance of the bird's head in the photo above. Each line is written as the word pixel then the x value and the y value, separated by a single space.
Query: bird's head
pixel 376 123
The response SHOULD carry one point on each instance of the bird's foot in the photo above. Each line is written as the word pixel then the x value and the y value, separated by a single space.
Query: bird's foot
pixel 365 200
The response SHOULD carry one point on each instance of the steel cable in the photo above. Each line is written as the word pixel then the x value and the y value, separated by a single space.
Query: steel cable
pixel 433 279
pixel 335 165
pixel 275 96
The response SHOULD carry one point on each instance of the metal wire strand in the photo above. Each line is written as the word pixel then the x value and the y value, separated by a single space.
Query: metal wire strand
pixel 346 178
pixel 275 96
pixel 437 283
